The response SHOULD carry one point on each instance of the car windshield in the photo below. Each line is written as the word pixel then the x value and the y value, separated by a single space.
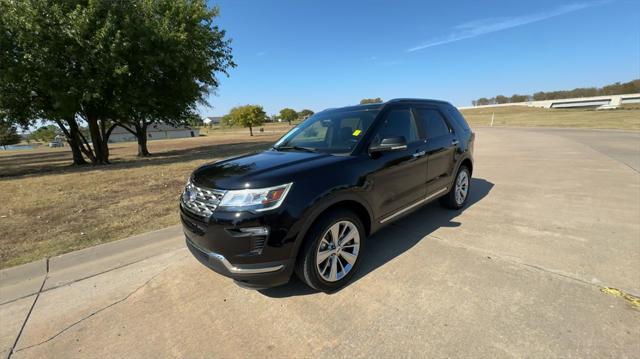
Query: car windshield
pixel 329 131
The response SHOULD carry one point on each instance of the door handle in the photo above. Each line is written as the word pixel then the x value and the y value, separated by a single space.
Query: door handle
pixel 455 142
pixel 419 154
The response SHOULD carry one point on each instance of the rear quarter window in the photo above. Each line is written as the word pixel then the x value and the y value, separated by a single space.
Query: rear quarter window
pixel 456 116
pixel 433 122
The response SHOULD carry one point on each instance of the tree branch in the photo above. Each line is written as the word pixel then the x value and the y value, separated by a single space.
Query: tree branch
pixel 108 134
pixel 128 129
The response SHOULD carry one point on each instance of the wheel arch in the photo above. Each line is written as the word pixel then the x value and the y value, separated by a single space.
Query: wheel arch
pixel 351 202
pixel 468 163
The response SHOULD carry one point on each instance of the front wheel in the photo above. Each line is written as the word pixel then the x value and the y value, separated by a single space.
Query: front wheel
pixel 459 192
pixel 332 251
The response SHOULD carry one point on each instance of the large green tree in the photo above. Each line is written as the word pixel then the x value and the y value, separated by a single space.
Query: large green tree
pixel 288 114
pixel 246 116
pixel 108 63
pixel 45 133
pixel 189 50
pixel 305 113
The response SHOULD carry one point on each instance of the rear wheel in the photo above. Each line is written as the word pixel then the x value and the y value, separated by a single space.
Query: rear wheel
pixel 459 192
pixel 332 251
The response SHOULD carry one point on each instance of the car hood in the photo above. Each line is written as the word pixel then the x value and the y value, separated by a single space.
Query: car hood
pixel 258 170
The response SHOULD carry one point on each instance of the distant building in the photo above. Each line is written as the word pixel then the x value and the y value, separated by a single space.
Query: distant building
pixel 597 102
pixel 157 131
pixel 212 120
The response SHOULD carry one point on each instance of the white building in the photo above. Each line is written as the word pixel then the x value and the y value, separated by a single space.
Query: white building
pixel 212 120
pixel 597 102
pixel 156 131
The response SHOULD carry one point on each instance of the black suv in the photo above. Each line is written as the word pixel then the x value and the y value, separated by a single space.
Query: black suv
pixel 309 203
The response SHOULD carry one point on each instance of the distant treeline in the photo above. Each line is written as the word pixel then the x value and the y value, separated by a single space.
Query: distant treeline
pixel 617 88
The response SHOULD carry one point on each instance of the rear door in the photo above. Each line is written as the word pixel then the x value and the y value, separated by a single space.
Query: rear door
pixel 441 145
pixel 399 177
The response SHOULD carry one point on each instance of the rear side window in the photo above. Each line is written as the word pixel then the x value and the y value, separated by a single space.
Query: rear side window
pixel 397 123
pixel 457 116
pixel 433 122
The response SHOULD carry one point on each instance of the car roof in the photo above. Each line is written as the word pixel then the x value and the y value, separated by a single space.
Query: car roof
pixel 380 105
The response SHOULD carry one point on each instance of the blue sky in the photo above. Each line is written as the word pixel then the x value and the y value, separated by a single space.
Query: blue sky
pixel 319 54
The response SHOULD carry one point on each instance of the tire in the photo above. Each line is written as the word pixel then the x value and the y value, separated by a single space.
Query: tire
pixel 319 238
pixel 450 200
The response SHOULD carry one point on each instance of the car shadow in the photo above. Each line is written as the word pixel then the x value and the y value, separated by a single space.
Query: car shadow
pixel 383 247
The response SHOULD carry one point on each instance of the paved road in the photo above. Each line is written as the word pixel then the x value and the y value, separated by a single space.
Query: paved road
pixel 623 146
pixel 553 218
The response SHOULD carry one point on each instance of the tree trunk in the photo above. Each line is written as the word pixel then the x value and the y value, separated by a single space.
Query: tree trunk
pixel 85 148
pixel 74 143
pixel 101 158
pixel 73 139
pixel 250 131
pixel 142 141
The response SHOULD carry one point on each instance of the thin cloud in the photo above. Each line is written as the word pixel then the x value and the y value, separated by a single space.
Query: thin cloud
pixel 391 63
pixel 485 26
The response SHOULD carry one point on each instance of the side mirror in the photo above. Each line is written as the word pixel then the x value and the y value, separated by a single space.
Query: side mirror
pixel 390 144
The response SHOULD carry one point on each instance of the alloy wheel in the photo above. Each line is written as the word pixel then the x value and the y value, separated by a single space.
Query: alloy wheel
pixel 338 251
pixel 462 187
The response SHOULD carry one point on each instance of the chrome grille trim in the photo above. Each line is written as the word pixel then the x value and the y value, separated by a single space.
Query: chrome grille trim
pixel 206 200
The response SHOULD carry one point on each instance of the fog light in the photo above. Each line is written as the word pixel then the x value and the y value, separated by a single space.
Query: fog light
pixel 249 231
pixel 255 231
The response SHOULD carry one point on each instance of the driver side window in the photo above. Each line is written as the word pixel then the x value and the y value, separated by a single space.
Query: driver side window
pixel 397 123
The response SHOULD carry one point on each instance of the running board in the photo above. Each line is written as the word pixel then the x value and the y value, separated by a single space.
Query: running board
pixel 414 205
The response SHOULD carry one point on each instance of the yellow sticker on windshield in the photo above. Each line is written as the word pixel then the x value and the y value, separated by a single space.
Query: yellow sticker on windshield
pixel 356 133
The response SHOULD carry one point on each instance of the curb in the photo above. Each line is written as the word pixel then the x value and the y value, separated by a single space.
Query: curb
pixel 28 271
pixel 24 280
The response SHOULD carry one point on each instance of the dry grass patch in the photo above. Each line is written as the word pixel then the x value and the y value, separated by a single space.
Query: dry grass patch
pixel 49 207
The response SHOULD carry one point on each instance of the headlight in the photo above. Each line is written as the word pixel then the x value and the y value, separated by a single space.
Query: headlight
pixel 261 199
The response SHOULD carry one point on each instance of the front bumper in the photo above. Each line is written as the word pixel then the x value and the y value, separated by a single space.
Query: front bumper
pixel 252 261
pixel 257 276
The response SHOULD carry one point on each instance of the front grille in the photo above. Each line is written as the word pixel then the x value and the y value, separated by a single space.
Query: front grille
pixel 201 201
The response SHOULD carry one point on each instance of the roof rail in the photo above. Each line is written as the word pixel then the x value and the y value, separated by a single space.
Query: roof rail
pixel 415 100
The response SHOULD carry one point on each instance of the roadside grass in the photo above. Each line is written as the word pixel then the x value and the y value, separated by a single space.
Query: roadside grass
pixel 625 118
pixel 49 208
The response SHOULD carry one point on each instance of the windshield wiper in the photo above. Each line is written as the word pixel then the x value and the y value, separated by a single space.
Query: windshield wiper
pixel 299 148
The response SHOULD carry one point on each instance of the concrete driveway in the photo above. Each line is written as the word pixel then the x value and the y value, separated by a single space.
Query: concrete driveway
pixel 553 219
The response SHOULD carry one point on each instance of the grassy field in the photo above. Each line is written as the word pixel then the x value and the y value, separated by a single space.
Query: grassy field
pixel 627 118
pixel 49 207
